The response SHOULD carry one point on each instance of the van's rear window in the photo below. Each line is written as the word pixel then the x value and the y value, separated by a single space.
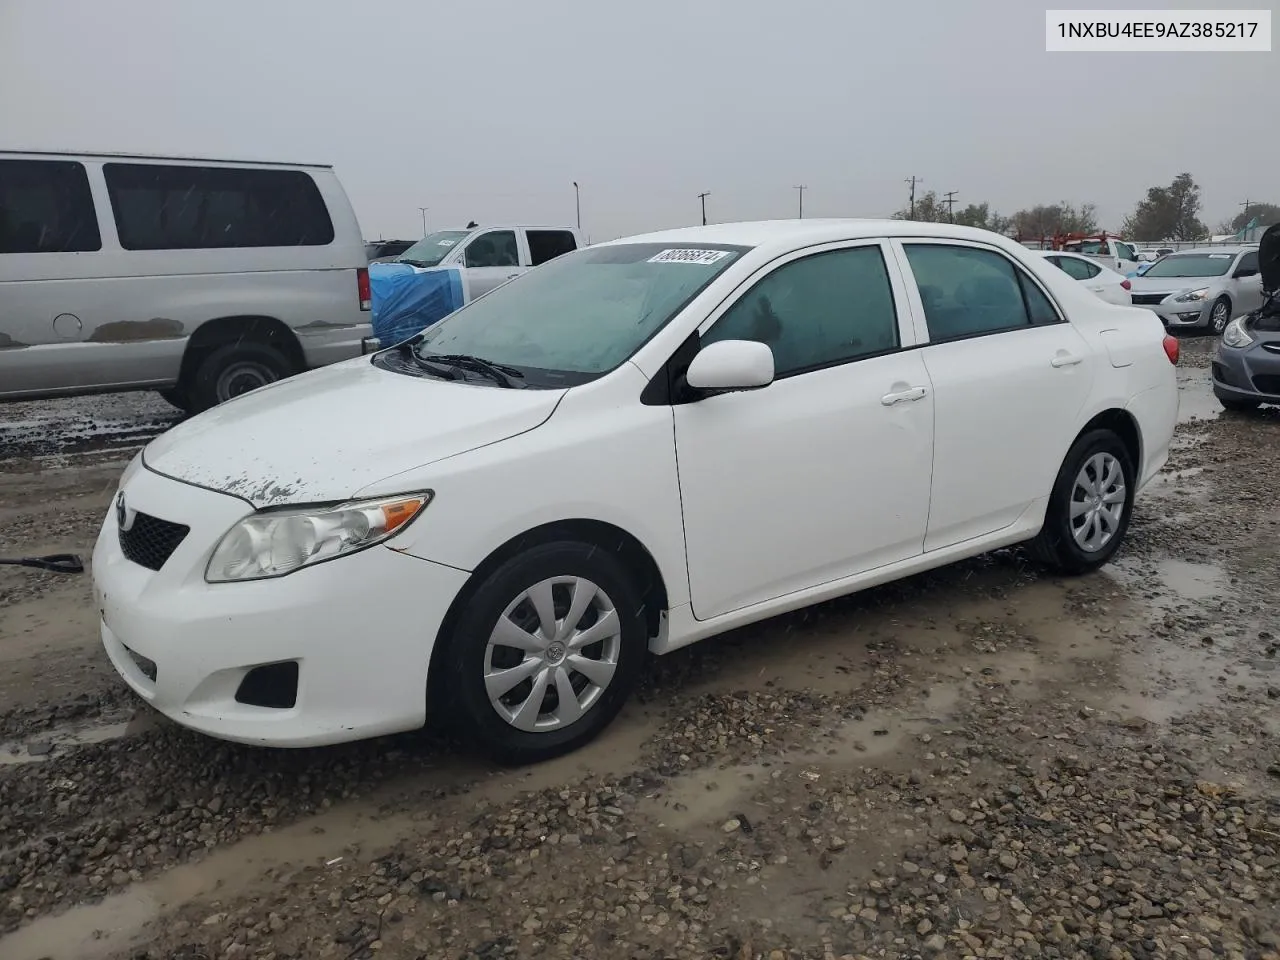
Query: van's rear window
pixel 178 207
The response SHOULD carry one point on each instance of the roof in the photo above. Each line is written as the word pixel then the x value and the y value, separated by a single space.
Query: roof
pixel 1222 248
pixel 155 156
pixel 794 233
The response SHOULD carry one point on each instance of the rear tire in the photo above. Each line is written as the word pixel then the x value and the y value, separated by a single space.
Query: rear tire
pixel 231 370
pixel 1090 506
pixel 518 621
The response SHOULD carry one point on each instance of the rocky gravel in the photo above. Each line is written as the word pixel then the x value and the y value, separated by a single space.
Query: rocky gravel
pixel 979 762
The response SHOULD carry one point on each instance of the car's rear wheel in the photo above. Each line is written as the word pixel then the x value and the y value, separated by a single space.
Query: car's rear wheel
pixel 545 652
pixel 235 369
pixel 1090 506
pixel 1220 315
pixel 1236 404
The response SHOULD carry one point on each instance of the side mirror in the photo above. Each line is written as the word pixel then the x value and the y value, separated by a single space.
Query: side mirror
pixel 1245 272
pixel 730 365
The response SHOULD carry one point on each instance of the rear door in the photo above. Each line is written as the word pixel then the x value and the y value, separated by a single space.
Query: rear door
pixel 1010 377
pixel 492 258
pixel 1248 284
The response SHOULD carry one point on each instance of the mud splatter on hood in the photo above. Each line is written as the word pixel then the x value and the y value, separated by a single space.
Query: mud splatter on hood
pixel 324 435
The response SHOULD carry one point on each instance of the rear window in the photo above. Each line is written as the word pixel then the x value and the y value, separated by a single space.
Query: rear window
pixel 164 207
pixel 46 207
pixel 546 245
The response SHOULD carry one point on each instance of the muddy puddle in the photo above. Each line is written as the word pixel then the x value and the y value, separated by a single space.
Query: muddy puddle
pixel 58 741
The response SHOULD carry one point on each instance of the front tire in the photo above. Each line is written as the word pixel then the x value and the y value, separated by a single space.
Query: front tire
pixel 545 652
pixel 1090 506
pixel 1219 316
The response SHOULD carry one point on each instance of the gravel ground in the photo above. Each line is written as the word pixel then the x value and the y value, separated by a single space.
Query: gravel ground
pixel 981 761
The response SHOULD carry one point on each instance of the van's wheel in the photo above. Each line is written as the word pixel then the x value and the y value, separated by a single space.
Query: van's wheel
pixel 235 369
pixel 1220 315
pixel 1090 506
pixel 544 653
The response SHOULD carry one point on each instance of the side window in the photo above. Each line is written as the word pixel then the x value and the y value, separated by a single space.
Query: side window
pixel 1248 262
pixel 494 249
pixel 173 207
pixel 1073 268
pixel 969 292
pixel 824 309
pixel 546 245
pixel 46 207
pixel 1091 270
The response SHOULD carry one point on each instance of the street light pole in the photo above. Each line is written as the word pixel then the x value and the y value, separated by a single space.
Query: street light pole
pixel 577 203
pixel 424 219
pixel 802 188
pixel 703 197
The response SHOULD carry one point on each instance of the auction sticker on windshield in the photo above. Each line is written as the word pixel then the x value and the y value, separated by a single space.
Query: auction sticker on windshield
pixel 1221 256
pixel 689 256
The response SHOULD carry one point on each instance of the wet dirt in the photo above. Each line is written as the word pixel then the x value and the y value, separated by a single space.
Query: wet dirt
pixel 981 760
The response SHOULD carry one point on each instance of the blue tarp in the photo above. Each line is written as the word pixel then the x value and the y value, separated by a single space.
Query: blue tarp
pixel 405 301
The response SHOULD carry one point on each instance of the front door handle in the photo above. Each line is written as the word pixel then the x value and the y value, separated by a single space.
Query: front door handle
pixel 915 393
pixel 1065 360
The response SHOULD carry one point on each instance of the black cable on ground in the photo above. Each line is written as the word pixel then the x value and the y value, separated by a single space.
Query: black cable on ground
pixel 54 562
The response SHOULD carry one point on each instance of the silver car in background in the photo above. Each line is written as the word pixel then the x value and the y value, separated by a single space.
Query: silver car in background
pixel 1202 288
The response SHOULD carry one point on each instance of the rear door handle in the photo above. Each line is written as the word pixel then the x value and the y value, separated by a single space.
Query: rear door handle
pixel 915 393
pixel 1065 360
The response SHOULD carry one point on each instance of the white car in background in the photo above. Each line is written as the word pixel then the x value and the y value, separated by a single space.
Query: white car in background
pixel 1106 283
pixel 637 445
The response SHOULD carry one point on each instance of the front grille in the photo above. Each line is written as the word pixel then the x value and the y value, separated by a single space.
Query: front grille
pixel 1267 383
pixel 1148 299
pixel 151 541
pixel 1271 347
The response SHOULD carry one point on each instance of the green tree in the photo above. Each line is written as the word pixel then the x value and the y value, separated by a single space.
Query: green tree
pixel 1168 213
pixel 1054 218
pixel 931 209
pixel 981 215
pixel 1267 214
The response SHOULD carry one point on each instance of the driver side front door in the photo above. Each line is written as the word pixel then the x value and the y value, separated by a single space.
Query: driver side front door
pixel 825 473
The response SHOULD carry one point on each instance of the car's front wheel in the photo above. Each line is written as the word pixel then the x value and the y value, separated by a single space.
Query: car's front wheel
pixel 1090 506
pixel 545 652
pixel 1220 315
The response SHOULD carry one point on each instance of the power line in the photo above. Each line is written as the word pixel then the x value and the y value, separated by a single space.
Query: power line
pixel 802 188
pixel 703 197
pixel 913 181
pixel 950 199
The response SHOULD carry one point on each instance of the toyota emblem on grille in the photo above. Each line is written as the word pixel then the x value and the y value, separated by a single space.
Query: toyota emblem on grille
pixel 124 516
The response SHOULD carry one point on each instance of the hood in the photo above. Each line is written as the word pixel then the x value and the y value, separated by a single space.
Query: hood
pixel 1269 257
pixel 1145 284
pixel 325 435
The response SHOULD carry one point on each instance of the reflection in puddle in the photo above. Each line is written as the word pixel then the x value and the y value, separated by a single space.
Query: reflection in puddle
pixel 1195 397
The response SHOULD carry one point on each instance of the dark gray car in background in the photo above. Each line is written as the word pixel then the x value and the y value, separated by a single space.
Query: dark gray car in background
pixel 1246 368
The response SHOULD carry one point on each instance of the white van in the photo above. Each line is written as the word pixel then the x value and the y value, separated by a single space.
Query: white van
pixel 202 279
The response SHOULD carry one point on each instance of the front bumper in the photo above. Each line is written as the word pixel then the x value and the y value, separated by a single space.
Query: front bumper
pixel 1249 373
pixel 359 628
pixel 1195 314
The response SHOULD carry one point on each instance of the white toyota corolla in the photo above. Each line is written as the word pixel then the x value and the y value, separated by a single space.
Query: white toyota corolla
pixel 633 447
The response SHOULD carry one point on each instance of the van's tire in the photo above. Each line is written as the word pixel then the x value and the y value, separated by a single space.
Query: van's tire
pixel 502 606
pixel 177 398
pixel 233 369
pixel 1075 545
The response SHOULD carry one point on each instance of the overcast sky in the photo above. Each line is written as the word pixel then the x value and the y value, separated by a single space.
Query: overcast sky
pixel 489 110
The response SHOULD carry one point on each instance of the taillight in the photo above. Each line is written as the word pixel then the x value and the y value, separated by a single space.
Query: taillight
pixel 1126 284
pixel 363 289
pixel 1171 348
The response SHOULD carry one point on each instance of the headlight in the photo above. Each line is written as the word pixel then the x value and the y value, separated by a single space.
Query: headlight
pixel 1193 295
pixel 280 542
pixel 1235 335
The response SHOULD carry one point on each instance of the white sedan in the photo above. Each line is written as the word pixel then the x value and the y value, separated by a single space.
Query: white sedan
pixel 1105 282
pixel 633 447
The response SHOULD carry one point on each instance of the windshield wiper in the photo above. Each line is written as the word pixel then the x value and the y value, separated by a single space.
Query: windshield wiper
pixel 436 370
pixel 415 263
pixel 499 373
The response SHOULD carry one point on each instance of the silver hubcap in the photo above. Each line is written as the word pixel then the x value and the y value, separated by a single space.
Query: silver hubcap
pixel 1219 317
pixel 552 654
pixel 1097 502
pixel 242 377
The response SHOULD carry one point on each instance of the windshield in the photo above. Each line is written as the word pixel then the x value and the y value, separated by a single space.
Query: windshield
pixel 431 249
pixel 579 316
pixel 1192 265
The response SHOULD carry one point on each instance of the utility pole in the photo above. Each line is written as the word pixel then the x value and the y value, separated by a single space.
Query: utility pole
pixel 577 203
pixel 913 181
pixel 802 188
pixel 950 200
pixel 424 219
pixel 703 197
